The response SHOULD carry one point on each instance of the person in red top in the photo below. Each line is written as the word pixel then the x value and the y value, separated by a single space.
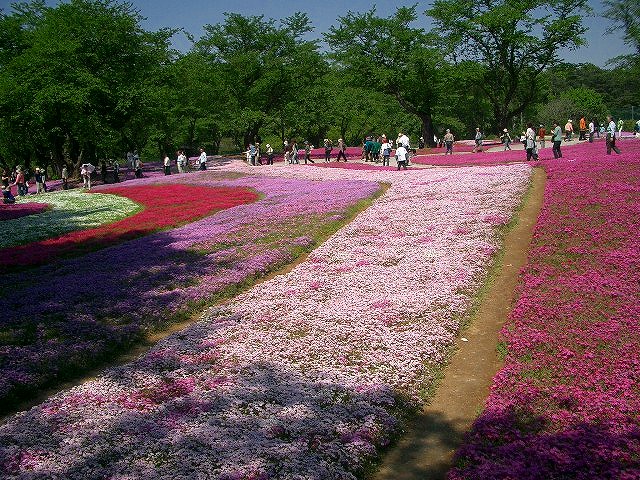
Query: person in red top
pixel 23 188
pixel 583 129
pixel 541 134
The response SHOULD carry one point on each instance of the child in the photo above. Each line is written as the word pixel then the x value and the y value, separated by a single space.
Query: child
pixel 401 156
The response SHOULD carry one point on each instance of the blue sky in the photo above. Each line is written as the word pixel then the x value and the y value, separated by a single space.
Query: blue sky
pixel 193 14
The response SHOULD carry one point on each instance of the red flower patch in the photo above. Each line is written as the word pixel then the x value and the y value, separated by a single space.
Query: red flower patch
pixel 9 212
pixel 164 206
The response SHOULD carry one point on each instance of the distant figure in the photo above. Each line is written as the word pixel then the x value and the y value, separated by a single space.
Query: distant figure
pixel 506 139
pixel 556 138
pixel 136 159
pixel 592 130
pixel 294 152
pixel 65 178
pixel 530 142
pixel 21 182
pixel 116 171
pixel 636 128
pixel 39 176
pixel 181 162
pixel 611 136
pixel 85 171
pixel 103 171
pixel 620 126
pixel 252 154
pixel 478 140
pixel 386 151
pixel 307 152
pixel 448 142
pixel 328 147
pixel 341 150
pixel 7 196
pixel 167 165
pixel 269 152
pixel 583 128
pixel 568 130
pixel 542 133
pixel 401 156
pixel 203 159
pixel 130 163
pixel 421 142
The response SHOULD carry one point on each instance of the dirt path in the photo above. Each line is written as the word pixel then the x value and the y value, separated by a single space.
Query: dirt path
pixel 426 449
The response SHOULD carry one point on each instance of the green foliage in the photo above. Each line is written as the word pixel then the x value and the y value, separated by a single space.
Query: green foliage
pixel 77 82
pixel 387 55
pixel 512 43
pixel 626 15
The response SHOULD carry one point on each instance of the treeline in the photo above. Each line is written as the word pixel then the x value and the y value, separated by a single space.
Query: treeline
pixel 83 81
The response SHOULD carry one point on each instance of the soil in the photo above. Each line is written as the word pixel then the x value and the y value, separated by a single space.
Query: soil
pixel 427 447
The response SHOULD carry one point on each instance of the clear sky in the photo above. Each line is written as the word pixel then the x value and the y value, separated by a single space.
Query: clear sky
pixel 193 14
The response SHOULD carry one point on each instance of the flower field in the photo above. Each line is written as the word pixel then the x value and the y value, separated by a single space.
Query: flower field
pixel 64 317
pixel 305 375
pixel 567 402
pixel 161 206
pixel 70 211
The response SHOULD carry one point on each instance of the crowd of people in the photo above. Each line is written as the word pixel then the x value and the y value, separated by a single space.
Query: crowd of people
pixel 375 149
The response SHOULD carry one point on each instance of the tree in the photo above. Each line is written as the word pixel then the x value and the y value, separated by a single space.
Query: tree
pixel 512 41
pixel 263 66
pixel 625 14
pixel 388 56
pixel 78 82
pixel 573 104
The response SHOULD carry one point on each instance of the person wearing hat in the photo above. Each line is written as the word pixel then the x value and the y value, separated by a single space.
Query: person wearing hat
pixel 307 152
pixel 269 151
pixel 506 139
pixel 478 140
pixel 328 147
pixel 542 132
pixel 568 130
pixel 342 147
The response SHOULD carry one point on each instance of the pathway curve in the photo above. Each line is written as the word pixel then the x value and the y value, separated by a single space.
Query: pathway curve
pixel 426 449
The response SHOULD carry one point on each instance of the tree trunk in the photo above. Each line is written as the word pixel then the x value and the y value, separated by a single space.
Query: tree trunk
pixel 427 129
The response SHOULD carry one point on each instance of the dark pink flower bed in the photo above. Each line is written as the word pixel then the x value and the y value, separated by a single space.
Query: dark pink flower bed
pixel 567 402
pixel 353 166
pixel 17 210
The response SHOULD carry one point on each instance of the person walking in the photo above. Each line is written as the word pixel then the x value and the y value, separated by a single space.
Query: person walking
pixel 506 139
pixel 530 142
pixel 592 130
pixel 401 156
pixel 386 151
pixel 65 178
pixel 583 128
pixel 181 161
pixel 568 130
pixel 21 182
pixel 342 147
pixel 307 152
pixel 328 147
pixel 542 133
pixel 611 136
pixel 448 142
pixel 556 138
pixel 269 152
pixel 478 140
pixel 202 159
pixel 116 171
pixel 39 177
pixel 85 171
pixel 294 152
pixel 620 126
pixel 167 165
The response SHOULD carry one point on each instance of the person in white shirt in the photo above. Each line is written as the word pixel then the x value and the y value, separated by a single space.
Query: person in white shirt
pixel 401 156
pixel 181 161
pixel 167 165
pixel 611 136
pixel 530 142
pixel 592 130
pixel 203 159
pixel 385 148
pixel 478 140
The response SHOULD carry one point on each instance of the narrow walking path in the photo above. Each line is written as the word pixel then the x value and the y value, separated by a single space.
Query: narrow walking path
pixel 426 449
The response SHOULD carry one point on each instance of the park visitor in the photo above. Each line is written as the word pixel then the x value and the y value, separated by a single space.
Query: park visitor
pixel 506 139
pixel 116 171
pixel 85 172
pixel 611 136
pixel 21 182
pixel 448 142
pixel 530 142
pixel 386 151
pixel 592 130
pixel 269 152
pixel 568 130
pixel 401 156
pixel 181 161
pixel 39 177
pixel 556 138
pixel 328 146
pixel 341 150
pixel 542 133
pixel 478 141
pixel 307 152
pixel 167 165
pixel 294 153
pixel 202 159
pixel 65 178
pixel 583 128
